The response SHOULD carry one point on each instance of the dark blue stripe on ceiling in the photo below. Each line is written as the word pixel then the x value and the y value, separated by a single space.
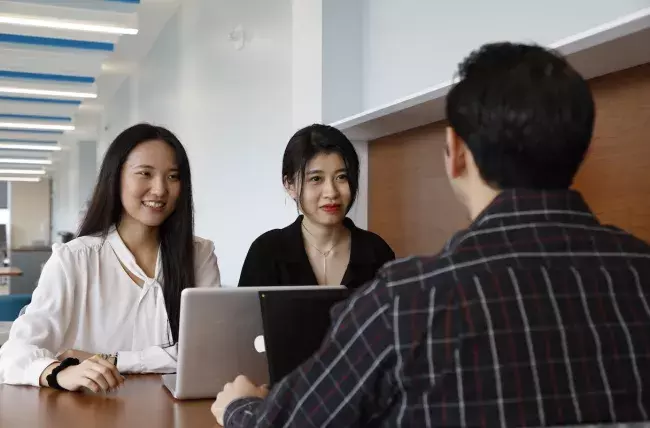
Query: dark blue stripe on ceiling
pixel 40 100
pixel 14 140
pixel 29 131
pixel 57 43
pixel 46 76
pixel 125 1
pixel 35 117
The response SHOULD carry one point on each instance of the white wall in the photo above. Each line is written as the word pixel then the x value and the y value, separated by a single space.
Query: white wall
pixel 232 109
pixel 73 181
pixel 66 205
pixel 409 45
pixel 87 170
pixel 342 59
pixel 119 115
pixel 306 62
pixel 30 213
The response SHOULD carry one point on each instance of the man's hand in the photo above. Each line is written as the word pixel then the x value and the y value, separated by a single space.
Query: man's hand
pixel 240 388
pixel 73 353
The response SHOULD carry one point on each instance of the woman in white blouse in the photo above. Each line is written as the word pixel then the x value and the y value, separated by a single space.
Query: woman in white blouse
pixel 116 288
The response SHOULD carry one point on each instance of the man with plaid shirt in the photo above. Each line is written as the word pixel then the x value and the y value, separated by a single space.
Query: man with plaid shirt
pixel 536 315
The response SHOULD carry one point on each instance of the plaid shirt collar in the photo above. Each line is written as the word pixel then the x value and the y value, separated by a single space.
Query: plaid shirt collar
pixel 526 206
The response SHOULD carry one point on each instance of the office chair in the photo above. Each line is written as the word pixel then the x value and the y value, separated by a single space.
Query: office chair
pixel 13 305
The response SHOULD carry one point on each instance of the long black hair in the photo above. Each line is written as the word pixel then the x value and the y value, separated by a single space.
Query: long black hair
pixel 314 140
pixel 176 232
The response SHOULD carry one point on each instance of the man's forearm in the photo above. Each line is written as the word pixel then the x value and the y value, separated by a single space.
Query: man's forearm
pixel 241 413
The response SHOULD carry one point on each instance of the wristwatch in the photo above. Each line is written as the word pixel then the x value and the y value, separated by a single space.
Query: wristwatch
pixel 111 358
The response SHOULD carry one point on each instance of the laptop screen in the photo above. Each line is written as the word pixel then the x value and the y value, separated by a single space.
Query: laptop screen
pixel 295 324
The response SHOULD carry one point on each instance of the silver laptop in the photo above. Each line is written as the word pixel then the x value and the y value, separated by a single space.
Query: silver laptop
pixel 221 336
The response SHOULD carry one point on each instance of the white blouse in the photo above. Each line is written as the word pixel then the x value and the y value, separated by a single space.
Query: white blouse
pixel 86 301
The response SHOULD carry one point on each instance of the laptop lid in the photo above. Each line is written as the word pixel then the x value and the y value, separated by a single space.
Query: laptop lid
pixel 218 330
pixel 296 322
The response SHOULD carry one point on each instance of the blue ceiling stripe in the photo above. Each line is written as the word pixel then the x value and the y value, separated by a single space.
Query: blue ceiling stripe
pixel 40 100
pixel 125 1
pixel 46 76
pixel 35 117
pixel 14 140
pixel 29 131
pixel 57 43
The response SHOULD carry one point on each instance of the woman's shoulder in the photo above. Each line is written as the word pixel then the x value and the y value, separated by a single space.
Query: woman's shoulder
pixel 272 240
pixel 373 239
pixel 203 245
pixel 77 252
pixel 372 242
pixel 79 245
pixel 271 236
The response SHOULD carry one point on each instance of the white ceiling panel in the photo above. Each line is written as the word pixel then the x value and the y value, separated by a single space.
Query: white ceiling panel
pixel 59 10
pixel 52 47
pixel 23 154
pixel 35 137
pixel 24 58
pixel 43 109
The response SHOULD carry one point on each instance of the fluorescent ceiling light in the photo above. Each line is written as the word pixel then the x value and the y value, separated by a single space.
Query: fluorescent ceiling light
pixel 66 25
pixel 39 126
pixel 28 179
pixel 26 161
pixel 23 171
pixel 37 147
pixel 46 92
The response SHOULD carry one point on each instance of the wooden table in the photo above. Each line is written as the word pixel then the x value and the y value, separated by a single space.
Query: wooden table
pixel 142 402
pixel 10 271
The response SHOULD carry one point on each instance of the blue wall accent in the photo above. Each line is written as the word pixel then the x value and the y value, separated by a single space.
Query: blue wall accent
pixel 34 117
pixel 46 76
pixel 40 100
pixel 57 43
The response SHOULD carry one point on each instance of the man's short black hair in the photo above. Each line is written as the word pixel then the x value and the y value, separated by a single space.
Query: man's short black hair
pixel 525 114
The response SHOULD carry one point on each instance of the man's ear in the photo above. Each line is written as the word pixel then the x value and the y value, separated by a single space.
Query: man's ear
pixel 455 154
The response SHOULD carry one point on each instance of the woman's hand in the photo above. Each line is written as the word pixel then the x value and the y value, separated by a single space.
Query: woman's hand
pixel 94 373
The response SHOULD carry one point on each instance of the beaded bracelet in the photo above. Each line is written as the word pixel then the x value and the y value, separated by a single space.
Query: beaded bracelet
pixel 51 378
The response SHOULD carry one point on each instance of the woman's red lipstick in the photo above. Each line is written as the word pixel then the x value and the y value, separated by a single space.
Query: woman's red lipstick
pixel 331 208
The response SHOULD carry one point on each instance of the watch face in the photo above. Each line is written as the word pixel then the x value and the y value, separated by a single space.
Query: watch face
pixel 111 358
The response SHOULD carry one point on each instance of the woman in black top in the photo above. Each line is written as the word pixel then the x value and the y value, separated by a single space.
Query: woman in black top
pixel 320 171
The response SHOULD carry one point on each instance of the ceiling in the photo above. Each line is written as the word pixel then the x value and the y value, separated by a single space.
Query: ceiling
pixel 61 62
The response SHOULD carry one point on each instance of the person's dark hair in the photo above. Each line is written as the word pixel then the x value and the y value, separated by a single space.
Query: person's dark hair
pixel 524 113
pixel 176 232
pixel 314 140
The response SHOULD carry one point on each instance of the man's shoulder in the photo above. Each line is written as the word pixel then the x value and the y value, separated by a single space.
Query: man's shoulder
pixel 416 272
pixel 415 277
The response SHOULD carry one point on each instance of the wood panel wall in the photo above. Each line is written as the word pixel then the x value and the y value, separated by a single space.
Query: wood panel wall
pixel 411 205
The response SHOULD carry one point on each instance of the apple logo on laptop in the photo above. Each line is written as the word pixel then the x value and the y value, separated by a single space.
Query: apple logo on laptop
pixel 260 347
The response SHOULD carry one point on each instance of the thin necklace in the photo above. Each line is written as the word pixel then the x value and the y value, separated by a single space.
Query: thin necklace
pixel 325 254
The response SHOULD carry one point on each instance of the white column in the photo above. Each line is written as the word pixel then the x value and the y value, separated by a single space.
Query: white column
pixel 307 62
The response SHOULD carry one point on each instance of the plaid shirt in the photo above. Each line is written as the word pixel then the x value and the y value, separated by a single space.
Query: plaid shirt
pixel 536 315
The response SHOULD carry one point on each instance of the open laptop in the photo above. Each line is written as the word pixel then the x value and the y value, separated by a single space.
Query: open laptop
pixel 261 332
